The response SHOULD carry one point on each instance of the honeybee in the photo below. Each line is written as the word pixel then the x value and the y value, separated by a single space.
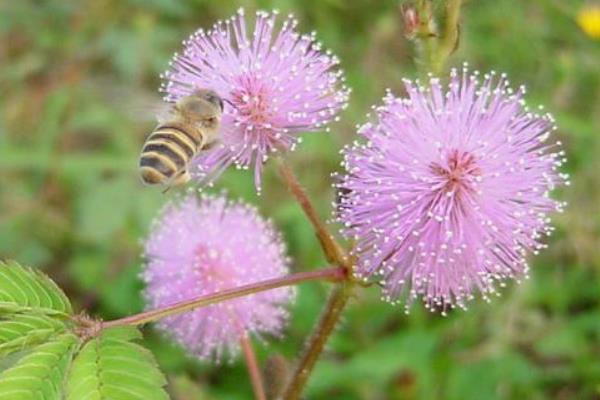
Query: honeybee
pixel 189 125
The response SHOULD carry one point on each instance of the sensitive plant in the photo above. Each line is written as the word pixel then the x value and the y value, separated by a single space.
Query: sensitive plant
pixel 443 197
pixel 450 190
pixel 277 84
pixel 203 246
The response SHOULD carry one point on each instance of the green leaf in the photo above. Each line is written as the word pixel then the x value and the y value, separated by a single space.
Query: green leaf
pixel 25 330
pixel 24 289
pixel 112 366
pixel 40 374
pixel 109 366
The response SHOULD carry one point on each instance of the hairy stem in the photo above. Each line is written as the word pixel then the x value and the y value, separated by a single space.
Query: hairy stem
pixel 334 253
pixel 330 316
pixel 338 298
pixel 253 368
pixel 334 274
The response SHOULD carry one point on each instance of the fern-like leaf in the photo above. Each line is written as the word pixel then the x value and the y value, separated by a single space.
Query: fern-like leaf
pixel 112 366
pixel 25 289
pixel 50 360
pixel 40 374
pixel 21 331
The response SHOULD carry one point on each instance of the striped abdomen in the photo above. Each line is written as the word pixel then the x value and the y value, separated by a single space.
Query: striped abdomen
pixel 167 152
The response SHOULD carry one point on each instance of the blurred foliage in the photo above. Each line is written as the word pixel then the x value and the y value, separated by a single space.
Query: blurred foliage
pixel 71 201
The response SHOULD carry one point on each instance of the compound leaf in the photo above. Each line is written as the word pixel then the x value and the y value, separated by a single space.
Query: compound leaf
pixel 24 289
pixel 113 366
pixel 21 331
pixel 53 357
pixel 40 374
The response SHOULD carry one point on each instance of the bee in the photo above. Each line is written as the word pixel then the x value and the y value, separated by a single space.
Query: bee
pixel 189 125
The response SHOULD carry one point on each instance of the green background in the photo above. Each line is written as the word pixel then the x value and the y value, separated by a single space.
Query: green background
pixel 71 202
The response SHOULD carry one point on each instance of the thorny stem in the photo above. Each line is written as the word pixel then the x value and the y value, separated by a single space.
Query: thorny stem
pixel 330 316
pixel 334 274
pixel 435 47
pixel 334 253
pixel 253 368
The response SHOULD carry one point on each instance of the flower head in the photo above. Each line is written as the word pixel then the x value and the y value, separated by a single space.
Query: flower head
pixel 588 19
pixel 275 82
pixel 203 246
pixel 450 191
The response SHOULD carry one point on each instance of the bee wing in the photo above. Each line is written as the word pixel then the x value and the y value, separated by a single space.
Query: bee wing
pixel 145 109
pixel 160 111
pixel 136 104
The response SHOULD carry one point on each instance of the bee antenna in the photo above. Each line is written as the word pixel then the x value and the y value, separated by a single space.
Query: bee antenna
pixel 229 102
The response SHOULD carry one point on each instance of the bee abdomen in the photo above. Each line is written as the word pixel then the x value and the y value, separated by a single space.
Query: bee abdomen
pixel 167 151
pixel 156 168
pixel 151 175
pixel 182 135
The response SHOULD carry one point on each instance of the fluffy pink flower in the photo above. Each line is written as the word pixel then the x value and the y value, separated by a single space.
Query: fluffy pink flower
pixel 203 246
pixel 277 84
pixel 450 191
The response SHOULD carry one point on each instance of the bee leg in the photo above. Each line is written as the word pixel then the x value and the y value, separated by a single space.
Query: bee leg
pixel 183 177
pixel 179 178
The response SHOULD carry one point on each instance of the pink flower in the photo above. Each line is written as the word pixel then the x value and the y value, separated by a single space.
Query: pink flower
pixel 450 191
pixel 276 85
pixel 202 246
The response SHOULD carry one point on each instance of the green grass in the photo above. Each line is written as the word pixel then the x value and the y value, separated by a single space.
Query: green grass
pixel 71 202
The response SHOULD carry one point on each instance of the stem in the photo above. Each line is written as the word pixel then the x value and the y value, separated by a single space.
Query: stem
pixel 253 368
pixel 335 274
pixel 333 251
pixel 276 373
pixel 330 316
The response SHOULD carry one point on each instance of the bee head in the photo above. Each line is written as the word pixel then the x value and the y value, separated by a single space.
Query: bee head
pixel 200 104
pixel 210 96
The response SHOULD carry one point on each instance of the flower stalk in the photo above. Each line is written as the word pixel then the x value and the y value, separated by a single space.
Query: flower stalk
pixel 333 274
pixel 338 297
pixel 330 316
pixel 334 253
pixel 253 369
